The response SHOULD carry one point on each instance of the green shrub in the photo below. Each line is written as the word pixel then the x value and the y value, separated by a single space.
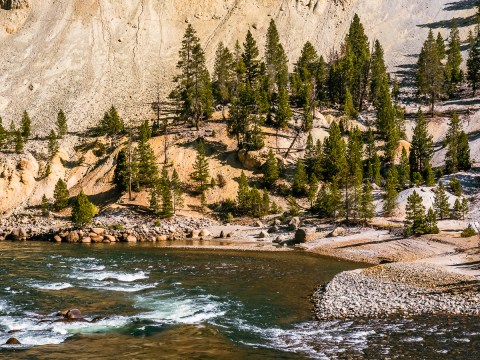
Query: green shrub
pixel 468 232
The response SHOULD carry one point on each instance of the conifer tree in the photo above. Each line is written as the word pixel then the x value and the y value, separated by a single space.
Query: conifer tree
pixel 395 90
pixel 327 202
pixel 275 60
pixel 223 76
pixel 415 215
pixel 464 207
pixel 300 179
pixel 421 150
pixel 203 202
pixel 265 203
pixel 62 127
pixel 201 171
pixel 312 190
pixel 52 144
pixel 463 152
pixel 457 210
pixel 378 72
pixel 270 170
pixel 367 208
pixel 120 175
pixel 404 169
pixel 45 206
pixel 453 72
pixel 176 191
pixel 111 123
pixel 166 194
pixel 256 203
pixel 243 194
pixel 441 48
pixel 26 126
pixel 386 122
pixel 60 195
pixel 18 142
pixel 283 112
pixel 473 62
pixel 353 174
pixel 238 122
pixel 3 134
pixel 431 222
pixel 455 186
pixel 250 59
pixel 430 71
pixel 193 92
pixel 83 210
pixel 377 167
pixel 452 138
pixel 429 176
pixel 441 204
pixel 293 208
pixel 146 162
pixel 391 194
pixel 349 108
pixel 334 153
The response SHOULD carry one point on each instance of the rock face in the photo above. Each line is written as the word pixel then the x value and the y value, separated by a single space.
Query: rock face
pixel 14 4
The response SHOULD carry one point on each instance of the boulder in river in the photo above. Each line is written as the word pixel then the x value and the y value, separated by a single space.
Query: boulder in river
pixel 73 314
pixel 304 235
pixel 13 341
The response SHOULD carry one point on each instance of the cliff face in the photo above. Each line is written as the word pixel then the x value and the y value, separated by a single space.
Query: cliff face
pixel 84 55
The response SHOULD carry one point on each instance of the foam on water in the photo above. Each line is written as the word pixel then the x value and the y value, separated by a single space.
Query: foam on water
pixel 110 275
pixel 52 286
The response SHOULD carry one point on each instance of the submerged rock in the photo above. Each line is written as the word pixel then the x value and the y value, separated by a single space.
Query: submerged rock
pixel 13 341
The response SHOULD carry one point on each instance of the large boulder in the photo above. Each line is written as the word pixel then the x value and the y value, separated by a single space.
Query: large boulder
pixel 250 159
pixel 339 231
pixel 294 224
pixel 73 237
pixel 304 235
pixel 12 341
pixel 73 314
pixel 17 234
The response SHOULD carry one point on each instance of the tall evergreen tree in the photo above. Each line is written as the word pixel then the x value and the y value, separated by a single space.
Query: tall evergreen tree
pixel 18 142
pixel 300 179
pixel 121 175
pixel 3 134
pixel 421 150
pixel 60 195
pixel 275 60
pixel 62 127
pixel 453 72
pixel 431 222
pixel 463 152
pixel 201 171
pixel 177 192
pixel 430 71
pixel 441 48
pixel 415 218
pixel 283 112
pixel 250 59
pixel 243 194
pixel 441 204
pixel 473 62
pixel 391 194
pixel 166 194
pixel 378 71
pixel 404 169
pixel 26 125
pixel 386 122
pixel 111 123
pixel 146 162
pixel 328 201
pixel 452 138
pixel 334 153
pixel 193 92
pixel 349 108
pixel 223 75
pixel 367 208
pixel 52 144
pixel 353 174
pixel 270 170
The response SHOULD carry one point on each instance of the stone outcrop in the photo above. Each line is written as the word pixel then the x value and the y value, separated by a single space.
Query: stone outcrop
pixel 14 4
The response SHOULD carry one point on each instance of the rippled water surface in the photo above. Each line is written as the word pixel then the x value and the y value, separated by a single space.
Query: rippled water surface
pixel 161 303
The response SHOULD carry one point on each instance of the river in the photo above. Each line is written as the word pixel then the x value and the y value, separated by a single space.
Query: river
pixel 165 303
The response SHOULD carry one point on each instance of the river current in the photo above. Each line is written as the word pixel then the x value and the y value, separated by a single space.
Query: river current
pixel 165 303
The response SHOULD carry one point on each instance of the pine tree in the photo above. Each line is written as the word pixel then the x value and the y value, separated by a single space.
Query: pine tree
pixel 300 179
pixel 457 210
pixel 203 202
pixel 377 167
pixel 111 123
pixel 353 174
pixel 26 126
pixel 307 118
pixel 293 208
pixel 431 222
pixel 415 215
pixel 265 203
pixel 243 194
pixel 463 152
pixel 223 75
pixel 430 71
pixel 52 144
pixel 378 72
pixel 442 50
pixel 238 122
pixel 201 170
pixel 256 203
pixel 45 206
pixel 386 122
pixel 429 176
pixel 473 63
pixel 441 204
pixel 146 162
pixel 367 208
pixel 62 127
pixel 177 191
pixel 453 72
pixel 166 194
pixel 334 153
pixel 452 138
pixel 464 207
pixel 275 60
pixel 404 169
pixel 250 59
pixel 455 186
pixel 60 195
pixel 193 92
pixel 270 170
pixel 283 112
pixel 421 150
pixel 312 190
pixel 391 194
pixel 120 175
pixel 349 108
pixel 327 202
pixel 395 90
pixel 18 142
pixel 83 210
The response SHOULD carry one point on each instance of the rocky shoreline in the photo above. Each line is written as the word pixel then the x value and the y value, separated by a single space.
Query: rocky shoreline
pixel 406 289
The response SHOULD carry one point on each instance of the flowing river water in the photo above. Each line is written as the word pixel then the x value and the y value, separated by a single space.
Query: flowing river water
pixel 165 303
